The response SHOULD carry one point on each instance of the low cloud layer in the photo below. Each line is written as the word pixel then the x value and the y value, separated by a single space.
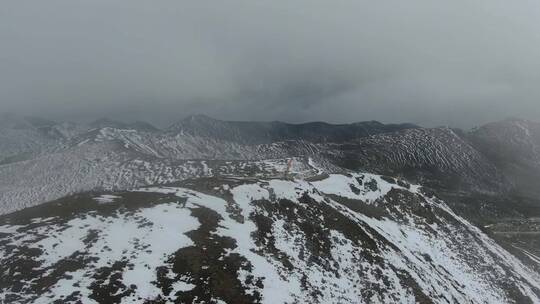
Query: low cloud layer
pixel 459 63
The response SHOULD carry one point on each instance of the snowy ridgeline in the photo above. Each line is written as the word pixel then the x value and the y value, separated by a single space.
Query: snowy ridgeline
pixel 357 238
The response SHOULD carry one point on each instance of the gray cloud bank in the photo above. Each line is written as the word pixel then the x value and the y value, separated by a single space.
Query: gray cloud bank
pixel 461 62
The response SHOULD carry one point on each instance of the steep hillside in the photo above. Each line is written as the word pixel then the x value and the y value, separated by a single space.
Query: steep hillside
pixel 514 146
pixel 21 137
pixel 357 238
pixel 437 157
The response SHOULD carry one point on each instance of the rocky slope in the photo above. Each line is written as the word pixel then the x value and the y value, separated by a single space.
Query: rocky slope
pixel 438 157
pixel 514 146
pixel 357 238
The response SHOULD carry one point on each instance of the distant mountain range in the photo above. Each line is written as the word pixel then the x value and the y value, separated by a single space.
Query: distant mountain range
pixel 395 213
pixel 498 157
pixel 247 132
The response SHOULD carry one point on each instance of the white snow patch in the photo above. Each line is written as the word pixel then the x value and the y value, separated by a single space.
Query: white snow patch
pixel 343 185
pixel 106 198
pixel 160 229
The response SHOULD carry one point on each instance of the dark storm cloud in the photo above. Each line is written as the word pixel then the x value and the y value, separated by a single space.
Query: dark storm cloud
pixel 430 62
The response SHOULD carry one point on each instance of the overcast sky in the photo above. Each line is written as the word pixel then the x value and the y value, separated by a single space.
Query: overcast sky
pixel 458 63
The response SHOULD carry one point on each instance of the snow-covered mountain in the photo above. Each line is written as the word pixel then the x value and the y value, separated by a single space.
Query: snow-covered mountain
pixel 114 155
pixel 22 137
pixel 209 211
pixel 435 156
pixel 357 238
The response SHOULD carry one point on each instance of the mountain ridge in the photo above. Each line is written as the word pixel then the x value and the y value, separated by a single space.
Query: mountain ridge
pixel 255 132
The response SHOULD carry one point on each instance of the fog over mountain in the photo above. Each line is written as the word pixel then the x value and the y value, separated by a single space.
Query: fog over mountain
pixel 262 151
pixel 459 63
